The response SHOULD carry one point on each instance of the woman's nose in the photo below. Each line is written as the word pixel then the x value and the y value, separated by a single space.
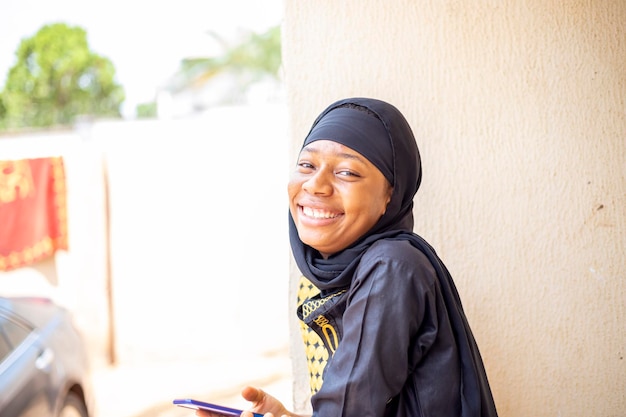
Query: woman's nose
pixel 318 184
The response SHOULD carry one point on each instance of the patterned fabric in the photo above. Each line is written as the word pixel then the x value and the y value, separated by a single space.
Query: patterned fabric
pixel 316 352
pixel 33 211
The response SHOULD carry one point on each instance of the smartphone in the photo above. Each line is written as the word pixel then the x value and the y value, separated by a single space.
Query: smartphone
pixel 214 408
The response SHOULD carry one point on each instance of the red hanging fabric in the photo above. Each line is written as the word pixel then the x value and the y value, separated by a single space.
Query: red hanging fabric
pixel 33 211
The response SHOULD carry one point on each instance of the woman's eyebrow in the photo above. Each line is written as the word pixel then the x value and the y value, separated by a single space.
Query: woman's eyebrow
pixel 314 150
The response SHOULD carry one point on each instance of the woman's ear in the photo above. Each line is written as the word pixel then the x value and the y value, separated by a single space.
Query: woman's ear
pixel 388 199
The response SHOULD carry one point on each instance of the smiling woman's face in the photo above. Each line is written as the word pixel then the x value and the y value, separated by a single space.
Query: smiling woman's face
pixel 335 196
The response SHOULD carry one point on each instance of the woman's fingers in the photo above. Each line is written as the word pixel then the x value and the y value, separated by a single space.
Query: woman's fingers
pixel 252 394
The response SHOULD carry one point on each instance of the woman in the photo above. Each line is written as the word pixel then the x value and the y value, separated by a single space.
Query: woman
pixel 393 335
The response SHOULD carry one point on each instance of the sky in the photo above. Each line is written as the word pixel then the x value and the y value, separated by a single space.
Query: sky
pixel 145 39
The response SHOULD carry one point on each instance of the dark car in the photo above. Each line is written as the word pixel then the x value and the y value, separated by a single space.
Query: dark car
pixel 44 368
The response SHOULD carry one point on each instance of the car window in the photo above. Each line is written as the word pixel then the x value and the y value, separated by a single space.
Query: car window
pixel 11 335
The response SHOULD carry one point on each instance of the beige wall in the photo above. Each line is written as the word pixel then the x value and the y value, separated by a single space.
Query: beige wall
pixel 519 111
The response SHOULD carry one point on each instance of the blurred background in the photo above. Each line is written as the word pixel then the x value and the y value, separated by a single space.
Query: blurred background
pixel 175 267
pixel 150 46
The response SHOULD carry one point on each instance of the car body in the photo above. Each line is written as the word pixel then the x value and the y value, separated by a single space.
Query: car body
pixel 44 367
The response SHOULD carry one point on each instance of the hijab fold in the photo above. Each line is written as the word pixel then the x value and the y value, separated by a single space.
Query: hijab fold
pixel 383 136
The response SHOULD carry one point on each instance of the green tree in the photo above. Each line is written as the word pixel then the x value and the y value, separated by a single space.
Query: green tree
pixel 146 110
pixel 255 57
pixel 259 53
pixel 56 78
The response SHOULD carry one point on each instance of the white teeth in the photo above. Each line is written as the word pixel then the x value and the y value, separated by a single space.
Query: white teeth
pixel 318 214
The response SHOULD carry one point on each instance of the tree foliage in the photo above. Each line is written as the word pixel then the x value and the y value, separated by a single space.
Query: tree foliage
pixel 253 58
pixel 56 78
pixel 260 53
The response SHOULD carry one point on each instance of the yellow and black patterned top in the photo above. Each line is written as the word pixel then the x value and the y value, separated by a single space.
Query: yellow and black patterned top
pixel 320 334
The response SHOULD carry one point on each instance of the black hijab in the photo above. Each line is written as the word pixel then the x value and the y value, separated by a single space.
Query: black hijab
pixel 378 131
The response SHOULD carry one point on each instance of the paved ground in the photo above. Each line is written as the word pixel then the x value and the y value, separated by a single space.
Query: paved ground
pixel 147 390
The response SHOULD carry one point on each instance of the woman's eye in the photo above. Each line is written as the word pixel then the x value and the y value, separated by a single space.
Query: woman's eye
pixel 346 173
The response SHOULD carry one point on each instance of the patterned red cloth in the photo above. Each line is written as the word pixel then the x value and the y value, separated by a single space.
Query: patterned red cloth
pixel 33 211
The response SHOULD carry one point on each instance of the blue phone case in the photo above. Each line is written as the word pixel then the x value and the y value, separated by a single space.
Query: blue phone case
pixel 219 409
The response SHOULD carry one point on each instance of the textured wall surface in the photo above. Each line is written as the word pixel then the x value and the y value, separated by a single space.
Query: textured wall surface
pixel 520 116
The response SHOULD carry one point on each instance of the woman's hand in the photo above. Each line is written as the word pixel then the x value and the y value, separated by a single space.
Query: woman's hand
pixel 262 403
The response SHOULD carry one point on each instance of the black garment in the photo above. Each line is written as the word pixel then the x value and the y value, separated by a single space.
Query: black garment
pixel 394 351
pixel 432 351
